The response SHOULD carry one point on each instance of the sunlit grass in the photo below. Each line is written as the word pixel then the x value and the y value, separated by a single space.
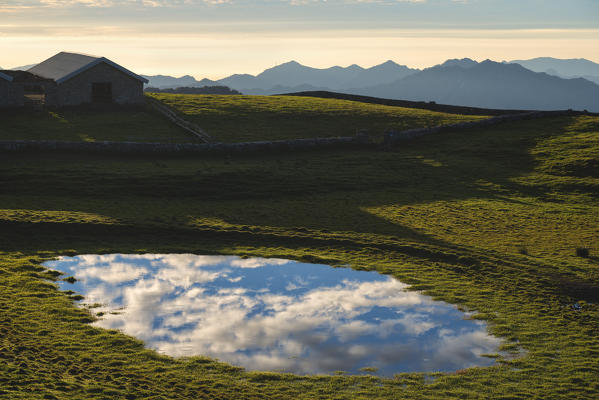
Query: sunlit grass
pixel 251 118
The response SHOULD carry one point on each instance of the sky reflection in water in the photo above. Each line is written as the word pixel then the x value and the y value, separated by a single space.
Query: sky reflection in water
pixel 272 314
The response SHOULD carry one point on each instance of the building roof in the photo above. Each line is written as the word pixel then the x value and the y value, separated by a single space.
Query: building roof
pixel 63 66
pixel 22 76
pixel 5 76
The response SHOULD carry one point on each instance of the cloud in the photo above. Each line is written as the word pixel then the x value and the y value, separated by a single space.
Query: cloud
pixel 305 2
pixel 114 273
pixel 386 1
pixel 257 262
pixel 21 5
pixel 67 3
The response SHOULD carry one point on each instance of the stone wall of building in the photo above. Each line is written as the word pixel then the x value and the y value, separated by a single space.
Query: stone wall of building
pixel 11 94
pixel 17 93
pixel 78 90
pixel 4 97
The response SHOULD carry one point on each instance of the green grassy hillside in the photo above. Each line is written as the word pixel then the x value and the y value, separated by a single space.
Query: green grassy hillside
pixel 250 118
pixel 225 118
pixel 88 124
pixel 489 219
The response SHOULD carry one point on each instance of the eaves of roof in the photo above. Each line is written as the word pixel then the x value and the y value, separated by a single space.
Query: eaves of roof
pixel 96 62
pixel 10 78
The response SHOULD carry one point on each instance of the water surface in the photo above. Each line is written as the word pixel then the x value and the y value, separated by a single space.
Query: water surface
pixel 279 315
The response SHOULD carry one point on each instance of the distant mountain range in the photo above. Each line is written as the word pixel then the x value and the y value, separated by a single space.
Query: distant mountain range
pixel 571 68
pixel 170 82
pixel 540 83
pixel 292 76
pixel 23 67
pixel 490 84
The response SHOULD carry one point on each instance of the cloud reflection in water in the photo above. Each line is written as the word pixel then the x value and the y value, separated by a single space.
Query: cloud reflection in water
pixel 271 314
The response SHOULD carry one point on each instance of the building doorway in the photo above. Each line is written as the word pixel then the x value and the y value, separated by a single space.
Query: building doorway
pixel 101 92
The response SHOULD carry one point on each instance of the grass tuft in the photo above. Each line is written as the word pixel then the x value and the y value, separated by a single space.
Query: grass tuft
pixel 582 252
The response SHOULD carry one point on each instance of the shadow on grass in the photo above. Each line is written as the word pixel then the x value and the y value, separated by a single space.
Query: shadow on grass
pixel 307 199
pixel 318 190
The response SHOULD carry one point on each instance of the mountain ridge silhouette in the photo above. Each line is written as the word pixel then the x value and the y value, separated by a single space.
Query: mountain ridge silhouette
pixel 463 82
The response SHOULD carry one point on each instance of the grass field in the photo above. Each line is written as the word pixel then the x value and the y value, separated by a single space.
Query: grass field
pixel 487 219
pixel 91 125
pixel 248 118
pixel 225 118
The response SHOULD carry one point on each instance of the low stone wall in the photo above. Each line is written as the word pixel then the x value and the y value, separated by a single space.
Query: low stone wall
pixel 162 148
pixel 361 140
pixel 178 120
pixel 423 105
pixel 394 137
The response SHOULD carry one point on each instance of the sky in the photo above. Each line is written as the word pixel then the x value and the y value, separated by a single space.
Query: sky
pixel 216 38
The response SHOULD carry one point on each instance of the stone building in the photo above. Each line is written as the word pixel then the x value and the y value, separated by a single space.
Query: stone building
pixel 70 79
pixel 7 95
pixel 19 88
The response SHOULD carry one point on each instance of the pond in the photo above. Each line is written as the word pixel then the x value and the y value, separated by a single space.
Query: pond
pixel 277 315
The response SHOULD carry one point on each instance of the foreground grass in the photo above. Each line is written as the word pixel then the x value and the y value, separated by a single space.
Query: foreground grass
pixel 250 118
pixel 90 125
pixel 488 219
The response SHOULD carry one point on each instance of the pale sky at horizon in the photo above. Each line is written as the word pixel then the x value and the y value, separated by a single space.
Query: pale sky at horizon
pixel 215 38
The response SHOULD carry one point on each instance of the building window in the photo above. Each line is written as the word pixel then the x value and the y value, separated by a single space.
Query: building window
pixel 102 92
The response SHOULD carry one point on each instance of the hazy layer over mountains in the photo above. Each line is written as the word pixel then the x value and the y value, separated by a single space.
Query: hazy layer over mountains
pixel 23 67
pixel 573 68
pixel 522 84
